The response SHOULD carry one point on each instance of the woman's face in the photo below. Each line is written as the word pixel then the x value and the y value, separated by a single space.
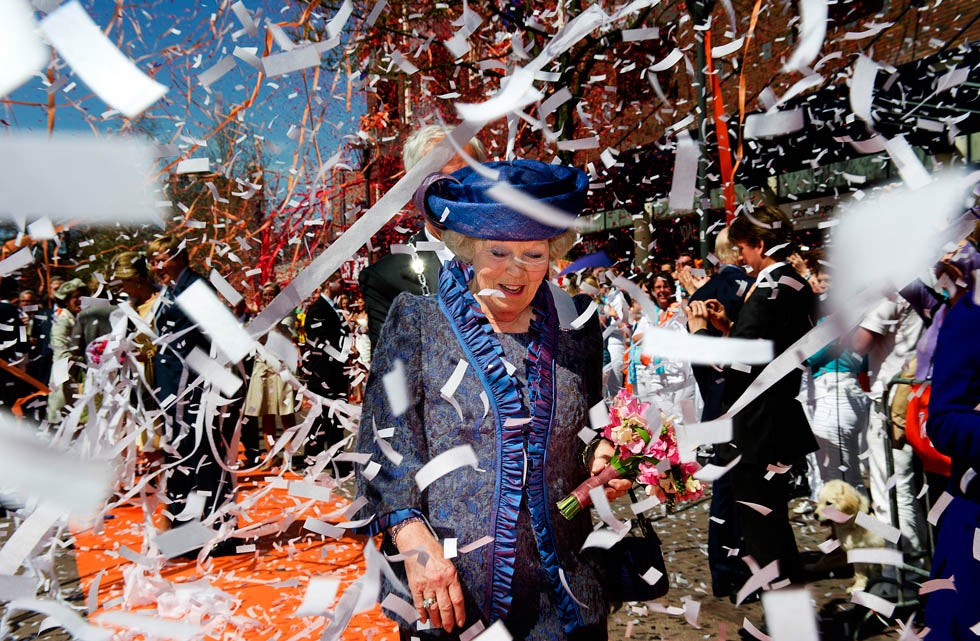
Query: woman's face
pixel 752 255
pixel 662 294
pixel 74 302
pixel 133 289
pixel 513 268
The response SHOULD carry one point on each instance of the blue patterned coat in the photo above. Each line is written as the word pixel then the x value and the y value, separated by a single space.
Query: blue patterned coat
pixel 506 579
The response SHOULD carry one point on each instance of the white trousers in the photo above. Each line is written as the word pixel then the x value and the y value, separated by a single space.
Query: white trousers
pixel 840 424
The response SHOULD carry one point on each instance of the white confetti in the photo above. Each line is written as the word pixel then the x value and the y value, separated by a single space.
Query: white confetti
pixel 444 463
pixel 321 592
pixel 99 180
pixel 684 180
pixel 873 602
pixel 790 615
pixel 290 61
pixel 813 29
pixel 151 627
pixel 202 306
pixel 396 388
pixel 449 388
pixel 98 62
pixel 879 527
pixel 881 556
pixel 22 52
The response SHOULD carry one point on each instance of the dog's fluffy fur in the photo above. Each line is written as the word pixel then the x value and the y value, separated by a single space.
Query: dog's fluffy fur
pixel 843 497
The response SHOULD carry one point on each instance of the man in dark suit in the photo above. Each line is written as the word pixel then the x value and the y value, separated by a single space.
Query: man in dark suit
pixel 418 272
pixel 772 429
pixel 728 285
pixel 198 470
pixel 324 364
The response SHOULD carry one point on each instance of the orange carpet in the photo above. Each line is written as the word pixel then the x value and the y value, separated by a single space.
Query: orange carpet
pixel 265 586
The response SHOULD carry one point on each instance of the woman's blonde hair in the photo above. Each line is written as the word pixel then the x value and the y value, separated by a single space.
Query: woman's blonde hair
pixel 464 247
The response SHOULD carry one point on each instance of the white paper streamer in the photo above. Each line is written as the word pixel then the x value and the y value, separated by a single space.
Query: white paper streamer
pixel 937 510
pixel 151 627
pixel 219 69
pixel 669 61
pixel 777 123
pixel 213 372
pixel 879 527
pixel 603 538
pixel 497 631
pixel 584 317
pixel 920 221
pixel 671 344
pixel 592 142
pixel 934 585
pixel 790 615
pixel 479 543
pixel 31 467
pixel 98 62
pixel 296 59
pixel 99 179
pixel 711 472
pixel 194 166
pixel 18 260
pixel 761 509
pixel 182 539
pixel 690 437
pixel 602 508
pixel 874 603
pixel 909 166
pixel 862 88
pixel 245 18
pixel 401 607
pixel 339 20
pixel 20 587
pixel 813 29
pixel 321 592
pixel 65 616
pixel 881 556
pixel 396 388
pixel 449 389
pixel 21 50
pixel 304 490
pixel 727 49
pixel 638 35
pixel 449 461
pixel 684 181
pixel 26 537
pixel 516 94
pixel 760 578
pixel 202 306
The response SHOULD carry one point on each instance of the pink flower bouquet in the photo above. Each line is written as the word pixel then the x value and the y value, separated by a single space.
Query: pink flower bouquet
pixel 648 457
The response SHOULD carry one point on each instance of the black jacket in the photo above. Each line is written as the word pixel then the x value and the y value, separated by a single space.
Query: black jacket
pixel 325 374
pixel 381 282
pixel 773 428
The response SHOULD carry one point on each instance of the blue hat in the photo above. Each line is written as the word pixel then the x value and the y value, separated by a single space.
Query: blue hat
pixel 472 212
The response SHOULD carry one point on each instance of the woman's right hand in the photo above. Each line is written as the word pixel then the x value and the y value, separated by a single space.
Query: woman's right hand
pixel 435 579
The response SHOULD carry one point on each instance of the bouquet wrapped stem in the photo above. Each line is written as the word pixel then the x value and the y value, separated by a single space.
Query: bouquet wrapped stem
pixel 579 499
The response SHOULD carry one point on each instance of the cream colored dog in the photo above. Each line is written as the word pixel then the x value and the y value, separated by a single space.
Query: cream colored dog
pixel 844 498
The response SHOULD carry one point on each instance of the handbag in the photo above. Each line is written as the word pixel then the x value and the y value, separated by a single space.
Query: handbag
pixel 629 559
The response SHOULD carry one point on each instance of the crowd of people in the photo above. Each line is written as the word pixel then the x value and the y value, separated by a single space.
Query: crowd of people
pixel 465 319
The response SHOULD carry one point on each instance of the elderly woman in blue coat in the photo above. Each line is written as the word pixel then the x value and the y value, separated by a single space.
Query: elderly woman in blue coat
pixel 526 388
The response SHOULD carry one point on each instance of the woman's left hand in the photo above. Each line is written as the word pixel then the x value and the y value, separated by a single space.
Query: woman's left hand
pixel 600 459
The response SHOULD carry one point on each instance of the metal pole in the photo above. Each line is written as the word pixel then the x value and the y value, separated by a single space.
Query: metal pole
pixel 702 182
